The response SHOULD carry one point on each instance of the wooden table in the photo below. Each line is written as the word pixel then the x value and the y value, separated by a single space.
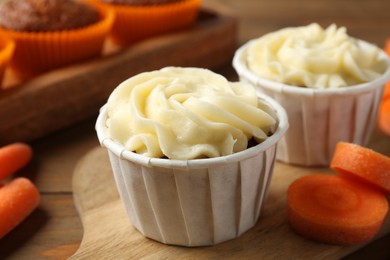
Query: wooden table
pixel 54 230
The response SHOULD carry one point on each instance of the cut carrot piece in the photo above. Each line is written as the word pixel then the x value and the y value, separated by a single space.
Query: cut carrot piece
pixel 335 210
pixel 361 162
pixel 18 199
pixel 386 91
pixel 387 46
pixel 384 108
pixel 384 116
pixel 14 157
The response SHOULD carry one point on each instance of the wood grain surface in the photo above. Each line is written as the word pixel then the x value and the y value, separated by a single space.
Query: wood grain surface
pixel 109 234
pixel 54 230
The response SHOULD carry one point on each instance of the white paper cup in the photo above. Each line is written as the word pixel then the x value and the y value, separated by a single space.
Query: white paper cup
pixel 196 202
pixel 319 118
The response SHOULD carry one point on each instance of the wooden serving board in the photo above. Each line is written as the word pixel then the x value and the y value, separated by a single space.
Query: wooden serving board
pixel 108 233
pixel 33 108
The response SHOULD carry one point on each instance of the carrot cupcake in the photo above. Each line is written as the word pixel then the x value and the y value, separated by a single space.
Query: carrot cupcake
pixel 136 20
pixel 180 150
pixel 329 83
pixel 52 33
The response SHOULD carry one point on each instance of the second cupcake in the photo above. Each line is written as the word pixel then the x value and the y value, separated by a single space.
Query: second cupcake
pixel 136 20
pixel 53 33
pixel 329 83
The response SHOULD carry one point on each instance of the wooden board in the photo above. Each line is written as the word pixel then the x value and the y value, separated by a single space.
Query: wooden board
pixel 33 108
pixel 108 233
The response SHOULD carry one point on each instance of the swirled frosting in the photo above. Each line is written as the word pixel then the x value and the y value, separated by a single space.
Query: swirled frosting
pixel 186 113
pixel 310 56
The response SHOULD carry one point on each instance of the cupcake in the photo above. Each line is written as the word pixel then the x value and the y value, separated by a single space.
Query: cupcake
pixel 192 154
pixel 53 33
pixel 136 20
pixel 329 83
pixel 7 47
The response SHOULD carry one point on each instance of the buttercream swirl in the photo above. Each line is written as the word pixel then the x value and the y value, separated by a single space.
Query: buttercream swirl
pixel 186 113
pixel 310 56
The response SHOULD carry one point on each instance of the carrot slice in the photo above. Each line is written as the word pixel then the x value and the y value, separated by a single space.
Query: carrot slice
pixel 384 107
pixel 14 157
pixel 384 111
pixel 387 46
pixel 386 91
pixel 384 115
pixel 18 199
pixel 367 165
pixel 335 210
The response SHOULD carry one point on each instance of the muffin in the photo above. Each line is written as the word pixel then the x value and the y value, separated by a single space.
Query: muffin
pixel 46 15
pixel 178 142
pixel 7 47
pixel 136 20
pixel 53 33
pixel 329 83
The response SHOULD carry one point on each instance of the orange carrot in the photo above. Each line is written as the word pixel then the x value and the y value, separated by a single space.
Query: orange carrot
pixel 386 91
pixel 387 46
pixel 384 115
pixel 387 50
pixel 14 157
pixel 384 107
pixel 334 209
pixel 384 110
pixel 367 165
pixel 18 199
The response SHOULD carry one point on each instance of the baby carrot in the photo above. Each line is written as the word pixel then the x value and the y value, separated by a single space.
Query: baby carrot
pixel 384 107
pixel 386 91
pixel 18 199
pixel 387 46
pixel 335 210
pixel 14 157
pixel 366 164
pixel 384 115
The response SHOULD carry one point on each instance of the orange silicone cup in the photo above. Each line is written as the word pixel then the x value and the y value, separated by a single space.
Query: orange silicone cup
pixel 135 23
pixel 38 52
pixel 7 47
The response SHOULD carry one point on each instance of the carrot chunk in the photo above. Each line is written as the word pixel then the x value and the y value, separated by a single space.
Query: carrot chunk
pixel 387 46
pixel 334 209
pixel 367 165
pixel 18 199
pixel 386 91
pixel 13 157
pixel 384 107
pixel 384 115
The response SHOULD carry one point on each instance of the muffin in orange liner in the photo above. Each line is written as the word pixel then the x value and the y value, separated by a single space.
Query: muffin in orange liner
pixel 135 23
pixel 7 47
pixel 39 52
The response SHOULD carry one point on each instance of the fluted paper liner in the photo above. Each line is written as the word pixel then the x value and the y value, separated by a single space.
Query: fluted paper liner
pixel 38 52
pixel 7 47
pixel 194 202
pixel 319 118
pixel 135 23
